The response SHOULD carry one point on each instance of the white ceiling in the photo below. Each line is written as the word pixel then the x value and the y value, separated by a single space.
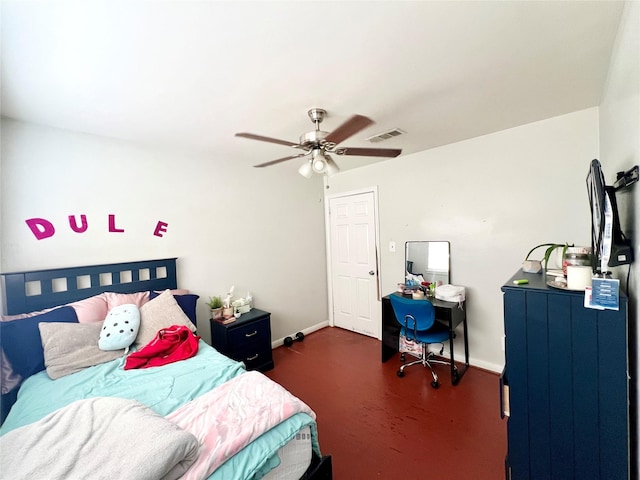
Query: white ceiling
pixel 190 74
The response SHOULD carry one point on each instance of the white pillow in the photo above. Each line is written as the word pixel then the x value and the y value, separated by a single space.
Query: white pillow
pixel 120 328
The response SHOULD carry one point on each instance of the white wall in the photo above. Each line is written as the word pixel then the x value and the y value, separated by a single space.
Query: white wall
pixel 493 197
pixel 229 224
pixel 620 150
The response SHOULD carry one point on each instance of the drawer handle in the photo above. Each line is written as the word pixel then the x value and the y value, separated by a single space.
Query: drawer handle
pixel 251 359
pixel 248 335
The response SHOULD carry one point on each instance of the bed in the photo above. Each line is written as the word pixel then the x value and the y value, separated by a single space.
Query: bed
pixel 79 409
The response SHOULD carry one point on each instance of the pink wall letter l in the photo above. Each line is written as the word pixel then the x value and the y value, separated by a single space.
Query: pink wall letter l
pixel 112 224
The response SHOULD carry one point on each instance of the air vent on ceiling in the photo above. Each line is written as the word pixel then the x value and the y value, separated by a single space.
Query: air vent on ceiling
pixel 386 135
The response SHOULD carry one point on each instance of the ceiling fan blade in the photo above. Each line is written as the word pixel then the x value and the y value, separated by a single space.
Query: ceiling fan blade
pixel 284 159
pixel 348 128
pixel 369 152
pixel 266 139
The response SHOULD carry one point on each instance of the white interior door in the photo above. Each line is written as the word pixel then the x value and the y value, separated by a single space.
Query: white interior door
pixel 353 263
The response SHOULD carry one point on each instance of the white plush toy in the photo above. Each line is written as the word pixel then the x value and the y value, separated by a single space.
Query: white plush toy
pixel 120 328
pixel 227 301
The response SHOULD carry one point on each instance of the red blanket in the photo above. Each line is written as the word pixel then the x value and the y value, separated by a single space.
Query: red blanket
pixel 170 345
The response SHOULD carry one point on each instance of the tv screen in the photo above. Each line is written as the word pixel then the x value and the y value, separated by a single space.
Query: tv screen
pixel 609 246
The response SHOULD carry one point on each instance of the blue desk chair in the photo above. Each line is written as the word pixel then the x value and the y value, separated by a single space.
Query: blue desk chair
pixel 417 320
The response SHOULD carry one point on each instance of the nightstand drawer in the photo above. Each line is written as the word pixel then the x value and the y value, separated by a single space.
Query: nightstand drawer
pixel 254 358
pixel 254 332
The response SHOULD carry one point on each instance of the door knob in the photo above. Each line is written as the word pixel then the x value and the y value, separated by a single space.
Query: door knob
pixel 371 272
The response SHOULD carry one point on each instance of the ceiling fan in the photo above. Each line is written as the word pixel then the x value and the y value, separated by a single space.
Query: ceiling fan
pixel 318 144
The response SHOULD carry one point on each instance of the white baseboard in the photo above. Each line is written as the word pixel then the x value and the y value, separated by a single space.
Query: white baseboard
pixel 459 357
pixel 306 331
pixel 492 367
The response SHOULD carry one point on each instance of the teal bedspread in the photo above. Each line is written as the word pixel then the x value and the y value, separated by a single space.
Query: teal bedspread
pixel 163 389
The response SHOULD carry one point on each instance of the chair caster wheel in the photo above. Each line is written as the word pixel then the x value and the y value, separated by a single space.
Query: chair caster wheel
pixel 402 357
pixel 400 373
pixel 435 384
pixel 299 337
pixel 288 341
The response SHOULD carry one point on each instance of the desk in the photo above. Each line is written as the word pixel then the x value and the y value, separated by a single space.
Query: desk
pixel 446 312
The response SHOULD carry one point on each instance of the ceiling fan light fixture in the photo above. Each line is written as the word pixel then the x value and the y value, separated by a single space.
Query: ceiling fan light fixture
pixel 305 170
pixel 318 161
pixel 332 168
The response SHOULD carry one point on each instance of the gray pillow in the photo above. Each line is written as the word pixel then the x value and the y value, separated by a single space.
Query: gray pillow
pixel 71 347
pixel 161 312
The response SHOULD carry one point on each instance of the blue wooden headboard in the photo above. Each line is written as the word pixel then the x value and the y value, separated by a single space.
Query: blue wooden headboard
pixel 36 290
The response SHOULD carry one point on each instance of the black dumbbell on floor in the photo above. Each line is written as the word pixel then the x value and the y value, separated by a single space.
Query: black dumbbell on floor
pixel 288 341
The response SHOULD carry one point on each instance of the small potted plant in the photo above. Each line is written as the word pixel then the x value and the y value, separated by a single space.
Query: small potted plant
pixel 558 249
pixel 215 304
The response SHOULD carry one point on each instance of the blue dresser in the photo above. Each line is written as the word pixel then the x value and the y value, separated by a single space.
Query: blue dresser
pixel 565 385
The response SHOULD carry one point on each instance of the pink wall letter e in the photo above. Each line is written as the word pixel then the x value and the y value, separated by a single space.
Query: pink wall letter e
pixel 161 228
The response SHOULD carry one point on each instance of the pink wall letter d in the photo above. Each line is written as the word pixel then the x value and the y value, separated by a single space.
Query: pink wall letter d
pixel 41 228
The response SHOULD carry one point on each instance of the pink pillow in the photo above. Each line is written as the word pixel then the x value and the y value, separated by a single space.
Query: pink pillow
pixel 117 299
pixel 20 316
pixel 177 291
pixel 92 309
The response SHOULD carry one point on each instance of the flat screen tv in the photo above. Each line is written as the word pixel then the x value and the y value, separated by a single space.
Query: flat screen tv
pixel 609 245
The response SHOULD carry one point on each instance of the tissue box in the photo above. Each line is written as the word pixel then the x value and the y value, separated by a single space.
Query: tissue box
pixel 241 305
pixel 243 308
pixel 450 293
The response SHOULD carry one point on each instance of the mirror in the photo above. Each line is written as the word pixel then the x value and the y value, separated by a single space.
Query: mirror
pixel 429 259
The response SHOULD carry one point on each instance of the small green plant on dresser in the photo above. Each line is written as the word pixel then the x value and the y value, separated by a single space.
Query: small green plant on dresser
pixel 215 304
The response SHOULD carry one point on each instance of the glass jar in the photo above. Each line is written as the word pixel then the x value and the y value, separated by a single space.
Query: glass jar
pixel 575 258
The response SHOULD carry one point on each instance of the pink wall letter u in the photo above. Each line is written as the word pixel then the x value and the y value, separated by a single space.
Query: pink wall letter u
pixel 74 224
